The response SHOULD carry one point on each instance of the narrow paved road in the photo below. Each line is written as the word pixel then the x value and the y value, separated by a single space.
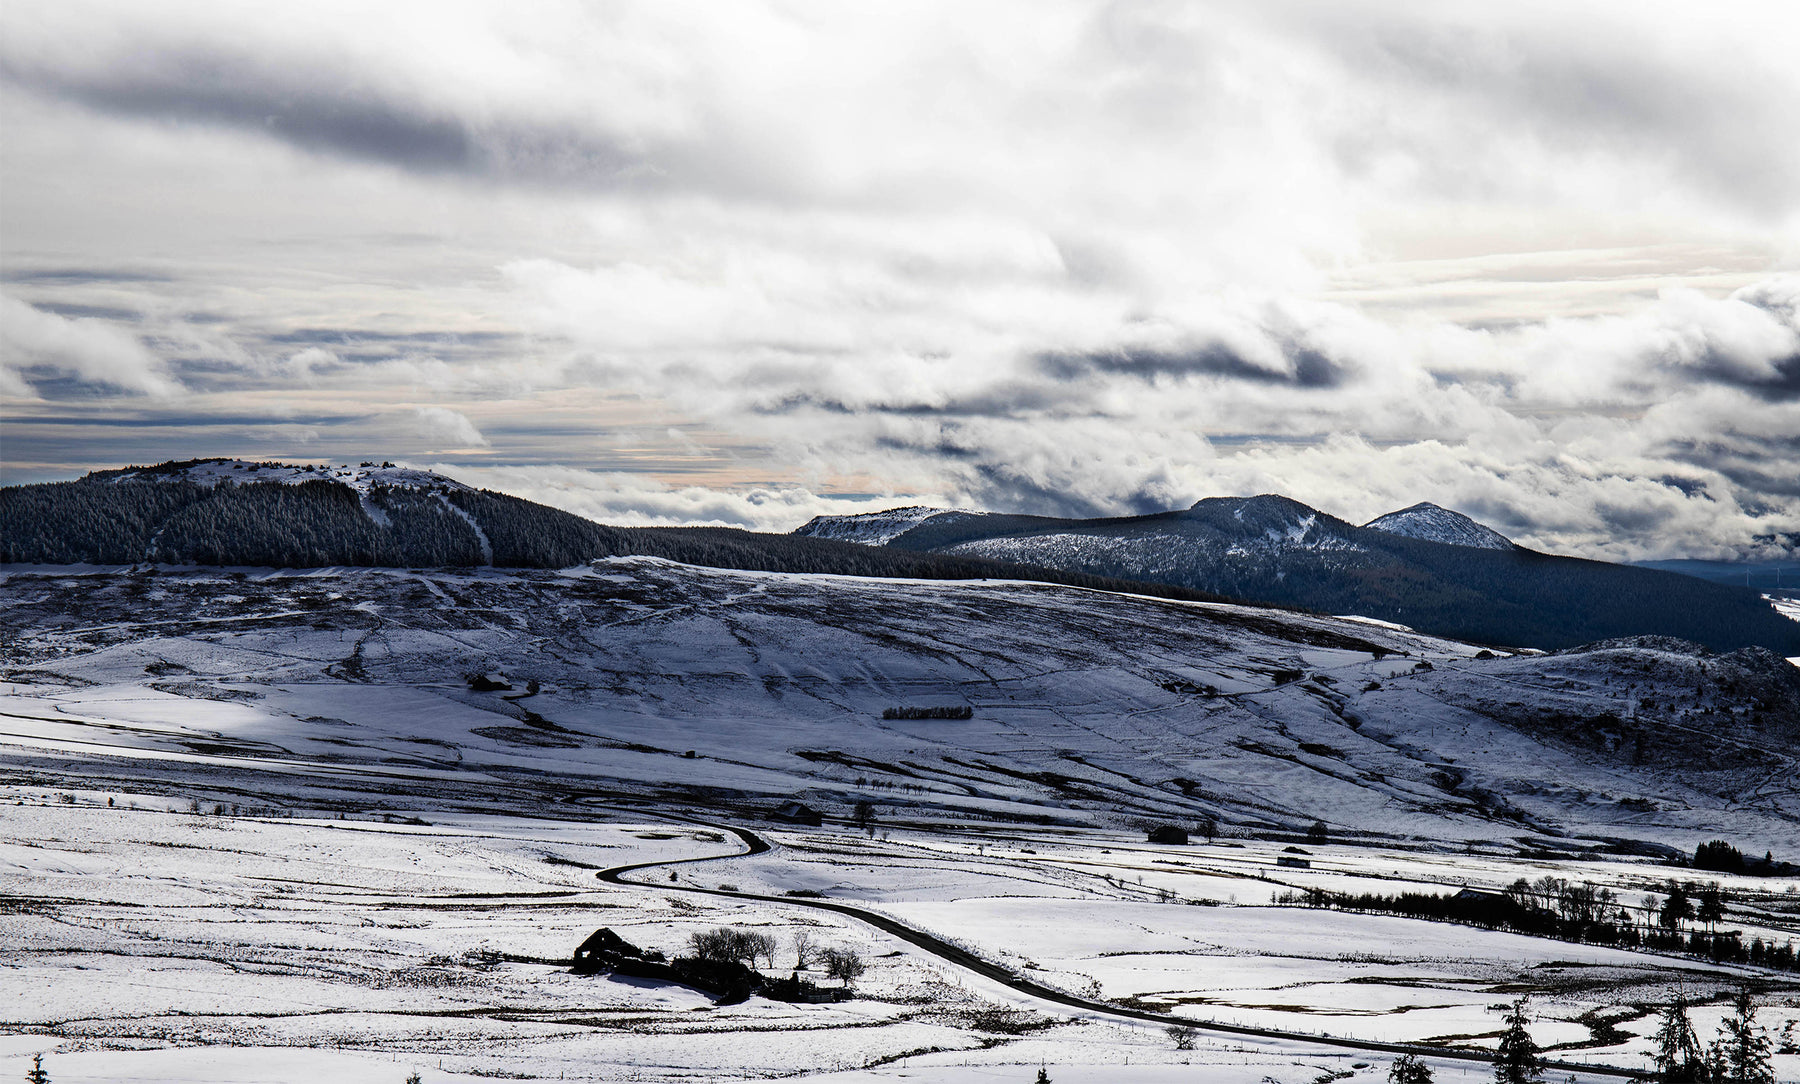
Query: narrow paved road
pixel 967 960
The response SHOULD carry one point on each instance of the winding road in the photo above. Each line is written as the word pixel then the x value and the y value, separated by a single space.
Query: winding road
pixel 968 961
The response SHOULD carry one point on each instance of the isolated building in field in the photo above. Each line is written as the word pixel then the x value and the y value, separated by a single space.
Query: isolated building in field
pixel 799 813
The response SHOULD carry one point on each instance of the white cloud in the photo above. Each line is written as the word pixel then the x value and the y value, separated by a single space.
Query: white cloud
pixel 93 351
pixel 443 429
pixel 633 500
pixel 14 387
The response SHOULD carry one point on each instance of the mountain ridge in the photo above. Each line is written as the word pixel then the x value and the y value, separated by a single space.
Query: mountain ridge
pixel 1424 567
pixel 221 512
pixel 1266 550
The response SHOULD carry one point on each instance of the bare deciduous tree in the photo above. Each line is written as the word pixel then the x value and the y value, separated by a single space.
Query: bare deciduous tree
pixel 842 964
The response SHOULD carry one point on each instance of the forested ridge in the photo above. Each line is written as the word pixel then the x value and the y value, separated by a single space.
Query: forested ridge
pixel 317 523
pixel 1243 548
pixel 1506 597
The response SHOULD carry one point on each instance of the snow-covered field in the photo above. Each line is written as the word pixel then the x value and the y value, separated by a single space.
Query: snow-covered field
pixel 262 827
pixel 149 942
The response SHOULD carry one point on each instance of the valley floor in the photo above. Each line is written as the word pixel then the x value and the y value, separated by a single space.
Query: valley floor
pixel 152 942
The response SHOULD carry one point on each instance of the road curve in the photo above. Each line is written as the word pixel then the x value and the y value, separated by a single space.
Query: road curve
pixel 968 961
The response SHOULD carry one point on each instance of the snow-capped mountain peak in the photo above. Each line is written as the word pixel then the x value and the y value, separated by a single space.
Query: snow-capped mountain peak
pixel 1430 523
pixel 211 472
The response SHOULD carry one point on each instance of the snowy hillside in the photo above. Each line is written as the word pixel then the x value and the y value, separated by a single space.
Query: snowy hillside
pixel 1086 706
pixel 1433 524
pixel 348 824
pixel 870 528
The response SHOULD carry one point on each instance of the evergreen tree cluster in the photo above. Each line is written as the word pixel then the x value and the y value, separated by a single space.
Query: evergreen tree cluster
pixel 528 535
pixel 70 523
pixel 910 712
pixel 1580 912
pixel 1721 857
pixel 1740 1055
pixel 314 524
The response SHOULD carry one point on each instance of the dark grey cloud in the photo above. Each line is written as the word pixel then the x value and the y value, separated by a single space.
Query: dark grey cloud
pixel 323 105
pixel 208 86
pixel 52 276
pixel 331 336
pixel 1783 384
pixel 76 311
pixel 184 420
pixel 1001 399
pixel 1759 468
pixel 1004 487
pixel 1307 367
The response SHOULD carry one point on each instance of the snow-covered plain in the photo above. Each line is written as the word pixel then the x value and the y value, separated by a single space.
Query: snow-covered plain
pixel 261 826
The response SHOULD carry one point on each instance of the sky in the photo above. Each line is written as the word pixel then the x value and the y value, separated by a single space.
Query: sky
pixel 750 262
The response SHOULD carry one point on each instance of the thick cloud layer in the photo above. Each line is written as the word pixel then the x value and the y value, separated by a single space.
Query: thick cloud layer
pixel 669 262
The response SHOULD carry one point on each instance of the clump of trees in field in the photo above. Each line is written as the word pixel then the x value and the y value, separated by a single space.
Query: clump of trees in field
pixel 962 712
pixel 1721 857
pixel 747 947
pixel 1685 918
pixel 733 946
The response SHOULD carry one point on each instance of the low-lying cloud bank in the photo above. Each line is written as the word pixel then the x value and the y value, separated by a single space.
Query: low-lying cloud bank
pixel 1672 430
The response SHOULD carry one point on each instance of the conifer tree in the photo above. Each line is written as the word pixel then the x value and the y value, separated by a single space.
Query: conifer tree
pixel 36 1074
pixel 1676 908
pixel 1742 1053
pixel 1517 1060
pixel 1679 1059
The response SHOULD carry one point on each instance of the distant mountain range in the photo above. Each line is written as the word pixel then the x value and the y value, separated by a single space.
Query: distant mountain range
pixel 225 512
pixel 1424 566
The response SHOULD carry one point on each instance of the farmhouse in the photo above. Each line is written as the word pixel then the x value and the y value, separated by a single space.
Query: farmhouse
pixel 799 813
pixel 1484 898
